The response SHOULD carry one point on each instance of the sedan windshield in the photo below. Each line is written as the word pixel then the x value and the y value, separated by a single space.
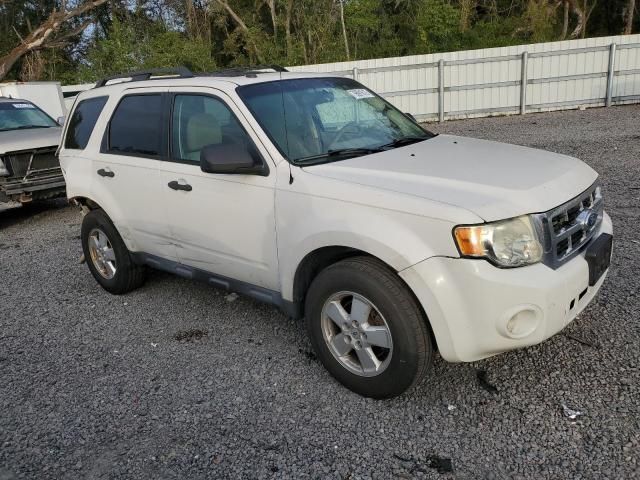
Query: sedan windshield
pixel 20 115
pixel 318 120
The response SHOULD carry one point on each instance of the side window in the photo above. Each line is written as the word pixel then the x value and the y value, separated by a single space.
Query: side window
pixel 82 121
pixel 199 121
pixel 136 127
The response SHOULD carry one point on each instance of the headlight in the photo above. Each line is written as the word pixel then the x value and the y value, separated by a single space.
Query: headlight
pixel 507 243
pixel 3 170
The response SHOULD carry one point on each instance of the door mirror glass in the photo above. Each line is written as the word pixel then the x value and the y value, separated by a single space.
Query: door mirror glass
pixel 230 158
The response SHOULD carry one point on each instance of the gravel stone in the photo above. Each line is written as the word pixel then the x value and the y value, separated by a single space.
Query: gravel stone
pixel 97 386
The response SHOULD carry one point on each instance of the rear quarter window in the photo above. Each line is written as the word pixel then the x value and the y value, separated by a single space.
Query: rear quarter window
pixel 83 121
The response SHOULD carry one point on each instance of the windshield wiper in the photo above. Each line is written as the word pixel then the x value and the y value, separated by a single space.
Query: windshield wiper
pixel 25 127
pixel 337 154
pixel 340 152
pixel 401 142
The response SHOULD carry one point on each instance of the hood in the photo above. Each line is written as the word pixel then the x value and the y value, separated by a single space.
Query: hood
pixel 493 180
pixel 30 138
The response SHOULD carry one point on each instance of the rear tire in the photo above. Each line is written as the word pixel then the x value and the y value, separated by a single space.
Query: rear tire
pixel 367 328
pixel 107 256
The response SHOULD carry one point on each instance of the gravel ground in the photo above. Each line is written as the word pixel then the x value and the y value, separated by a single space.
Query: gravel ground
pixel 177 381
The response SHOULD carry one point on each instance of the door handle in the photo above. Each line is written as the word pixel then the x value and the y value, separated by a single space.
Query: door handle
pixel 106 173
pixel 175 185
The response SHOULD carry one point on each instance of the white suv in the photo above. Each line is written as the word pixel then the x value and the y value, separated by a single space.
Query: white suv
pixel 312 193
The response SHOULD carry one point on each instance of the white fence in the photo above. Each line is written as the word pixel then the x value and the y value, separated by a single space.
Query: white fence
pixel 519 79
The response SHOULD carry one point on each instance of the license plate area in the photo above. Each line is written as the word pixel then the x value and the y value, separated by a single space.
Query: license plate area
pixel 598 256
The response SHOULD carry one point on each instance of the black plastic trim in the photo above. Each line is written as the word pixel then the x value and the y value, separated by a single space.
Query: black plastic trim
pixel 253 291
pixel 160 73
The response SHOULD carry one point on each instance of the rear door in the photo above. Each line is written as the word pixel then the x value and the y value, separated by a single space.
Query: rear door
pixel 222 223
pixel 126 177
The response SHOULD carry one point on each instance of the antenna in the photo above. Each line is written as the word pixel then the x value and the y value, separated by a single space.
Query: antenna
pixel 285 127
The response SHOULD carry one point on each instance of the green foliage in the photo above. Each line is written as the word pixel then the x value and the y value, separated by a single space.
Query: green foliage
pixel 201 34
pixel 438 30
pixel 125 49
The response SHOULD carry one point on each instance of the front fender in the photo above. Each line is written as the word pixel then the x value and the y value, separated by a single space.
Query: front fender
pixel 400 240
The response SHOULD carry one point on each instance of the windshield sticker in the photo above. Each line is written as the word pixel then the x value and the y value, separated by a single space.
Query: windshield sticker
pixel 22 105
pixel 360 93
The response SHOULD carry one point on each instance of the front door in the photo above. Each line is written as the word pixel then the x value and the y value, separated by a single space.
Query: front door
pixel 220 223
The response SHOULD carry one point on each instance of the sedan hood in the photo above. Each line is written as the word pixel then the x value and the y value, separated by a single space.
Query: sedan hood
pixel 29 138
pixel 493 180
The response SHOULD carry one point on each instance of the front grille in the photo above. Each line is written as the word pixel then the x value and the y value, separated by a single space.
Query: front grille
pixel 18 163
pixel 569 227
pixel 44 159
pixel 26 163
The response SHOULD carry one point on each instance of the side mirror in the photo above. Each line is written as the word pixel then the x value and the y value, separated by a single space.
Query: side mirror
pixel 231 158
pixel 60 120
pixel 411 116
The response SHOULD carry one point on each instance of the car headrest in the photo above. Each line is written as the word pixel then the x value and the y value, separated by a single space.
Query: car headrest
pixel 202 129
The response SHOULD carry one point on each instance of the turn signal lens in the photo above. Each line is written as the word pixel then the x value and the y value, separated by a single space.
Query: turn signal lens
pixel 469 240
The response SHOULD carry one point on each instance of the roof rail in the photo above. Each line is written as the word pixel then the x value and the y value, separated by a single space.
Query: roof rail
pixel 155 73
pixel 249 70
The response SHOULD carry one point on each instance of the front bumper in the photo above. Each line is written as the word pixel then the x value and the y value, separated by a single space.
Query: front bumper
pixel 37 181
pixel 470 303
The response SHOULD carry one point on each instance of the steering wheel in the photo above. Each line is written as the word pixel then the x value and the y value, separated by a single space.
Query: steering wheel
pixel 343 131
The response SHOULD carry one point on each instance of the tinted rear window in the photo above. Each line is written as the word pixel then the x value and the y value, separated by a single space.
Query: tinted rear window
pixel 136 126
pixel 82 121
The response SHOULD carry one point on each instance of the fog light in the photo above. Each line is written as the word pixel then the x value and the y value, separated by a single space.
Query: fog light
pixel 520 322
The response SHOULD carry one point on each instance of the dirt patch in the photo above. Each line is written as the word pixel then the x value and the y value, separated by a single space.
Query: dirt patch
pixel 191 335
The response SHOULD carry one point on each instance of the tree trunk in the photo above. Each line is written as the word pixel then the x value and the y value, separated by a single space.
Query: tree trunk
pixel 565 20
pixel 32 67
pixel 287 28
pixel 467 9
pixel 628 21
pixel 274 18
pixel 243 26
pixel 344 30
pixel 44 34
pixel 581 10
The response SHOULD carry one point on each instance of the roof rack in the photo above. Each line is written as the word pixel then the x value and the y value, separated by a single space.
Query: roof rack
pixel 249 70
pixel 184 72
pixel 155 73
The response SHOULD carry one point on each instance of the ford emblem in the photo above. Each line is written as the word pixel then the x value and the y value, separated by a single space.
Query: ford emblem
pixel 588 219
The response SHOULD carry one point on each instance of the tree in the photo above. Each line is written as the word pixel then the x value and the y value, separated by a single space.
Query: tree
pixel 344 30
pixel 46 35
pixel 628 16
pixel 126 47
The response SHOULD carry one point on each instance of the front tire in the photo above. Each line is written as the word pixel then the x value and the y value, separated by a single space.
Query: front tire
pixel 107 256
pixel 367 328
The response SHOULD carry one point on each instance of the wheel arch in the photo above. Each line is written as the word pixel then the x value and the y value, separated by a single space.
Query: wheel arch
pixel 86 202
pixel 89 204
pixel 320 258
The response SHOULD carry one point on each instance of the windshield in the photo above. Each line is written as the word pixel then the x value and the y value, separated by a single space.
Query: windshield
pixel 22 115
pixel 317 120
